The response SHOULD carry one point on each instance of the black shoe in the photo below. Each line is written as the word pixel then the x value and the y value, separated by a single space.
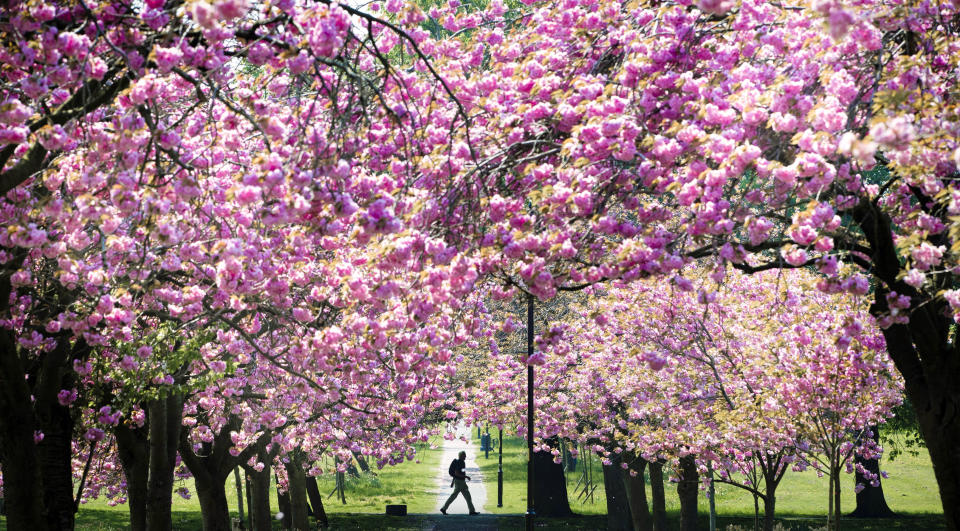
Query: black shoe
pixel 442 510
pixel 474 513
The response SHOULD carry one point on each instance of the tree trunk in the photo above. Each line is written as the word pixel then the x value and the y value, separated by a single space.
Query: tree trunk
pixel 773 468
pixel 297 488
pixel 940 426
pixel 830 516
pixel 212 495
pixel 316 502
pixel 687 488
pixel 936 400
pixel 283 501
pixel 925 354
pixel 618 506
pixel 756 510
pixel 870 500
pixel 260 517
pixel 658 497
pixel 239 485
pixel 637 493
pixel 361 462
pixel 55 452
pixel 769 510
pixel 836 493
pixel 23 488
pixel 211 465
pixel 550 486
pixel 165 416
pixel 133 451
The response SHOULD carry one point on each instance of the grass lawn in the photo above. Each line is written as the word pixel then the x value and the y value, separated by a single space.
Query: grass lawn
pixel 911 491
pixel 404 484
pixel 103 520
pixel 801 499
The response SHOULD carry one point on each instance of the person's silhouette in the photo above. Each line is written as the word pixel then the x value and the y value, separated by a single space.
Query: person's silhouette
pixel 459 483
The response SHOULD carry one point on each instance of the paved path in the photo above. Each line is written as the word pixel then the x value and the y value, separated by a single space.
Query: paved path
pixel 458 522
pixel 478 490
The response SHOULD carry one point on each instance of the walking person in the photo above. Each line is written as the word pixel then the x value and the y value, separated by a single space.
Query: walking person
pixel 459 483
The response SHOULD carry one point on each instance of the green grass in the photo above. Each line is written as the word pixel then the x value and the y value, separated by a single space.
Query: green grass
pixel 410 483
pixel 801 499
pixel 515 481
pixel 370 493
pixel 911 490
pixel 101 520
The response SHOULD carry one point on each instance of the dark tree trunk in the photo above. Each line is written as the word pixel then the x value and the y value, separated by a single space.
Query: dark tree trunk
pixel 935 396
pixel 260 517
pixel 38 473
pixel 246 481
pixel 618 506
pixel 165 415
pixel 239 485
pixel 23 488
pixel 658 496
pixel 870 501
pixel 54 451
pixel 297 488
pixel 773 469
pixel 924 353
pixel 769 510
pixel 637 493
pixel 569 461
pixel 550 486
pixel 361 462
pixel 687 488
pixel 211 465
pixel 283 501
pixel 133 450
pixel 212 495
pixel 316 502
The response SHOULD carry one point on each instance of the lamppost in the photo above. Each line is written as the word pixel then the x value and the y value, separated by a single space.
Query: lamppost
pixel 530 507
pixel 500 472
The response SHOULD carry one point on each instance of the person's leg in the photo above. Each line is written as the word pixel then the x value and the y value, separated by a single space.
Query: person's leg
pixel 456 490
pixel 466 496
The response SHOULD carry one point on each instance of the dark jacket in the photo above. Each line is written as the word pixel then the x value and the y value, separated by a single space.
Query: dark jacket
pixel 457 468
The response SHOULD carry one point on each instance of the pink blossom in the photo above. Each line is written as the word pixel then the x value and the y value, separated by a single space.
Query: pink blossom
pixel 203 13
pixel 230 9
pixel 167 58
pixel 803 235
pixel 66 397
pixel 94 435
pixel 926 255
pixel 914 278
pixel 13 112
pixel 716 7
pixel 20 279
pixel 795 256
pixel 129 363
pixel 13 135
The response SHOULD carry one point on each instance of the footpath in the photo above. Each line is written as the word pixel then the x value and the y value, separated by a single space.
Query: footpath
pixel 457 517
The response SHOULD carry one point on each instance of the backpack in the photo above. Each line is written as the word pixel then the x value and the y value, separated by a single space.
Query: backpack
pixel 453 468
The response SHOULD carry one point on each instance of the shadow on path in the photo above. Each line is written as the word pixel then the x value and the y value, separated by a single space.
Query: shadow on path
pixel 452 522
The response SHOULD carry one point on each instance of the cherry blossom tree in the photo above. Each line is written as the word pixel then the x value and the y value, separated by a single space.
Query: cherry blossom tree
pixel 618 140
pixel 149 183
pixel 743 381
pixel 233 166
